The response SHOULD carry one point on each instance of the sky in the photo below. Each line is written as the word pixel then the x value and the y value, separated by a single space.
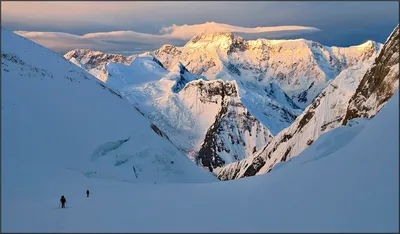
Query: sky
pixel 338 23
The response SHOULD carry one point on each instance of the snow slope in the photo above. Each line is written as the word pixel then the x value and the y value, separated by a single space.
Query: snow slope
pixel 142 69
pixel 269 104
pixel 57 117
pixel 341 183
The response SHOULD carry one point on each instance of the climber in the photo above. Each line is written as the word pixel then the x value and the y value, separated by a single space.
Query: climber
pixel 63 201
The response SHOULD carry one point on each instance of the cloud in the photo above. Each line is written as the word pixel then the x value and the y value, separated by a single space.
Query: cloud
pixel 122 41
pixel 186 32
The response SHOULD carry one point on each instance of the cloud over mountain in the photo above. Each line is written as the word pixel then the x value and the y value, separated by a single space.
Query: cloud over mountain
pixel 128 42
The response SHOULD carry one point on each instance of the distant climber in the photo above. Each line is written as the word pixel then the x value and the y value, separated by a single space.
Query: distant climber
pixel 87 193
pixel 63 201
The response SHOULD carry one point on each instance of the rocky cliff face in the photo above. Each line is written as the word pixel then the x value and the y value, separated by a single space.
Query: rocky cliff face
pixel 379 83
pixel 235 133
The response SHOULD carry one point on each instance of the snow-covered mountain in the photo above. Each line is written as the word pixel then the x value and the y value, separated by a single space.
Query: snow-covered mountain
pixel 300 67
pixel 329 110
pixel 272 78
pixel 190 110
pixel 56 118
pixel 94 61
pixel 269 103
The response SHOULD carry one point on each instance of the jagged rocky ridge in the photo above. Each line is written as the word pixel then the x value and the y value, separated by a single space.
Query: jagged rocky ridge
pixel 335 106
pixel 94 59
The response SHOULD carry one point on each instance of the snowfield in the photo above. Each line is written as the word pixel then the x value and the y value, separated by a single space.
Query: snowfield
pixel 342 183
pixel 63 133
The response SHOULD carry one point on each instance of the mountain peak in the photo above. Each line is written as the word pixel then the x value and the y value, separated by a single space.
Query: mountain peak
pixel 224 40
pixel 368 45
pixel 214 37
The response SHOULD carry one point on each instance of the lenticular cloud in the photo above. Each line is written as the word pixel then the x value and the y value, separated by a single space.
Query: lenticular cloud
pixel 124 41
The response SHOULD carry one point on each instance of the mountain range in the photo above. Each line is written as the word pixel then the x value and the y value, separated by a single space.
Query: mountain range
pixel 359 91
pixel 232 96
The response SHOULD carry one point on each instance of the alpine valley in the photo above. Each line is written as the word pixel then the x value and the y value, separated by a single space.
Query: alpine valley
pixel 314 128
pixel 238 107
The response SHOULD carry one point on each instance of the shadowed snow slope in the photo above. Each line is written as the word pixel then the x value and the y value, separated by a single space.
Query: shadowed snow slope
pixel 56 117
pixel 341 183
